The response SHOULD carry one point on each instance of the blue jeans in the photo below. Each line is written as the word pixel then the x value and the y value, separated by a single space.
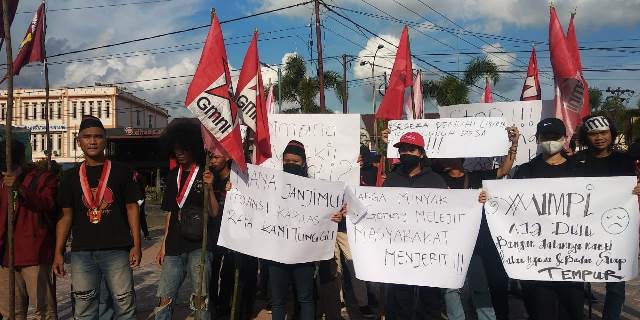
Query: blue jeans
pixel 88 268
pixel 280 275
pixel 174 270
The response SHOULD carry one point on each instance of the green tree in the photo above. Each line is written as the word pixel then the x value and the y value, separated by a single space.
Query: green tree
pixel 301 89
pixel 450 90
pixel 595 99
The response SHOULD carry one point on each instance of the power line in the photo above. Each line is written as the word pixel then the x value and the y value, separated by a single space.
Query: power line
pixel 98 6
pixel 180 31
pixel 415 57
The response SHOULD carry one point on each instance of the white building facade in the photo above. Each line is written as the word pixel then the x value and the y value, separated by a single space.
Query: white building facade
pixel 115 107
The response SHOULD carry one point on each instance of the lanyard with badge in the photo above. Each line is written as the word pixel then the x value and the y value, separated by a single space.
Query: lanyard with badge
pixel 95 212
pixel 183 191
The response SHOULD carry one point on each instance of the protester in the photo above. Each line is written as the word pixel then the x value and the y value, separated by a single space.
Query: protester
pixel 413 172
pixel 548 300
pixel 599 159
pixel 294 161
pixel 183 200
pixel 489 299
pixel 368 175
pixel 34 235
pixel 225 261
pixel 99 205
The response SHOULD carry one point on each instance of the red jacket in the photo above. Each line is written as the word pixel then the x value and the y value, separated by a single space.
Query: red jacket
pixel 34 232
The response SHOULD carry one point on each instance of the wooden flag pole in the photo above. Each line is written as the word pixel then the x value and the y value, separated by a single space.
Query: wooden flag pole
pixel 8 138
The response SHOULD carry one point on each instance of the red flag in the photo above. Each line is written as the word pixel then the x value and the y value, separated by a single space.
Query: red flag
pixel 380 174
pixel 486 96
pixel 32 45
pixel 418 100
pixel 569 87
pixel 209 98
pixel 572 42
pixel 13 7
pixel 531 88
pixel 401 78
pixel 250 99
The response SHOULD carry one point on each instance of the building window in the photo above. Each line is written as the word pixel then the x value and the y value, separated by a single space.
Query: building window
pixel 82 109
pixel 26 111
pixel 43 110
pixel 74 112
pixel 138 118
pixel 91 108
pixel 35 143
pixel 75 137
pixel 99 107
pixel 51 113
pixel 4 109
pixel 44 143
pixel 35 111
pixel 59 110
pixel 107 107
pixel 150 121
pixel 59 142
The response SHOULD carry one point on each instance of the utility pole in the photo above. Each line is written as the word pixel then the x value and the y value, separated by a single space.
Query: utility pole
pixel 345 107
pixel 8 139
pixel 323 108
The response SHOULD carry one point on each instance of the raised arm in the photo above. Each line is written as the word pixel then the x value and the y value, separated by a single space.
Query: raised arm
pixel 510 158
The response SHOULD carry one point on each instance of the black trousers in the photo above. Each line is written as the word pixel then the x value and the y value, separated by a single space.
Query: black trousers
pixel 413 303
pixel 548 300
pixel 223 279
pixel 494 270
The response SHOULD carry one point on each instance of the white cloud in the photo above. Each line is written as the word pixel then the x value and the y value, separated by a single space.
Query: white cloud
pixel 493 13
pixel 384 61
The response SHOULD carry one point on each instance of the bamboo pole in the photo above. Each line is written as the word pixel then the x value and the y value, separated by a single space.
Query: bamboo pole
pixel 8 139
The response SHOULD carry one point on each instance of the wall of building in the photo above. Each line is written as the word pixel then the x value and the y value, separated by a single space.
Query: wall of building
pixel 114 107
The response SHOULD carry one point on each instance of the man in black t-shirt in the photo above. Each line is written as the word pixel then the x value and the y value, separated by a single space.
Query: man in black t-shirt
pixel 549 300
pixel 99 205
pixel 600 160
pixel 183 200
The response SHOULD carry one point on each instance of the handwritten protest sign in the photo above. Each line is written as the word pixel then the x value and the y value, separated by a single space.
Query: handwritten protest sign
pixel 281 217
pixel 566 229
pixel 412 236
pixel 332 143
pixel 525 115
pixel 454 137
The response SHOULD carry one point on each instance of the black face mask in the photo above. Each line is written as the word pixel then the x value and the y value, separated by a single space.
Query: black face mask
pixel 293 168
pixel 409 162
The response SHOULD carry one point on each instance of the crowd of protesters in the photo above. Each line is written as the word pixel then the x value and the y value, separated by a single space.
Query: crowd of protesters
pixel 100 203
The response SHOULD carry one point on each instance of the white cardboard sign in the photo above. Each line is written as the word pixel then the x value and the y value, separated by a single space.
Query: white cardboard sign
pixel 525 115
pixel 332 143
pixel 565 229
pixel 414 236
pixel 281 217
pixel 454 137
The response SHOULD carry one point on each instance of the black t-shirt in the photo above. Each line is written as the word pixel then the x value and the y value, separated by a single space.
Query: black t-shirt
pixel 112 232
pixel 616 164
pixel 472 179
pixel 220 190
pixel 176 244
pixel 538 168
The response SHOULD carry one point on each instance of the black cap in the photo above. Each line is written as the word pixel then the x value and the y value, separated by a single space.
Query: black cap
pixel 295 147
pixel 551 126
pixel 90 122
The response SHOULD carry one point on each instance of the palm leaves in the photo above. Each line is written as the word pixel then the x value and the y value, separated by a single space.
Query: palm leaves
pixel 450 90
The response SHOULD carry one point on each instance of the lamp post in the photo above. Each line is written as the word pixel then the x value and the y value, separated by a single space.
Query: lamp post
pixel 373 91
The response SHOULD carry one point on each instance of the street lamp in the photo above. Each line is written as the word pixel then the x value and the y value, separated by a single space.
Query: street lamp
pixel 373 90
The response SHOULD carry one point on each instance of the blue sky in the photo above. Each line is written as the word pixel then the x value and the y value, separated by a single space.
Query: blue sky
pixel 504 28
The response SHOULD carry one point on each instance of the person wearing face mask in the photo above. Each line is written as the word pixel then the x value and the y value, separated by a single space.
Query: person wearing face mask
pixel 549 300
pixel 294 161
pixel 413 172
pixel 599 159
pixel 488 281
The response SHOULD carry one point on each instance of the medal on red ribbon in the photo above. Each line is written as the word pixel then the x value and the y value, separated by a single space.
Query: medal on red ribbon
pixel 184 192
pixel 93 202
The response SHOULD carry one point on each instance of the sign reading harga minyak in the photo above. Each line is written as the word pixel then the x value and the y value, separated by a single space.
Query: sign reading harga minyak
pixel 565 229
pixel 454 137
pixel 281 217
pixel 412 236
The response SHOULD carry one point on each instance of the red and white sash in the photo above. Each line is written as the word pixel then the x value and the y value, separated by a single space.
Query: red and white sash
pixel 95 213
pixel 184 192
